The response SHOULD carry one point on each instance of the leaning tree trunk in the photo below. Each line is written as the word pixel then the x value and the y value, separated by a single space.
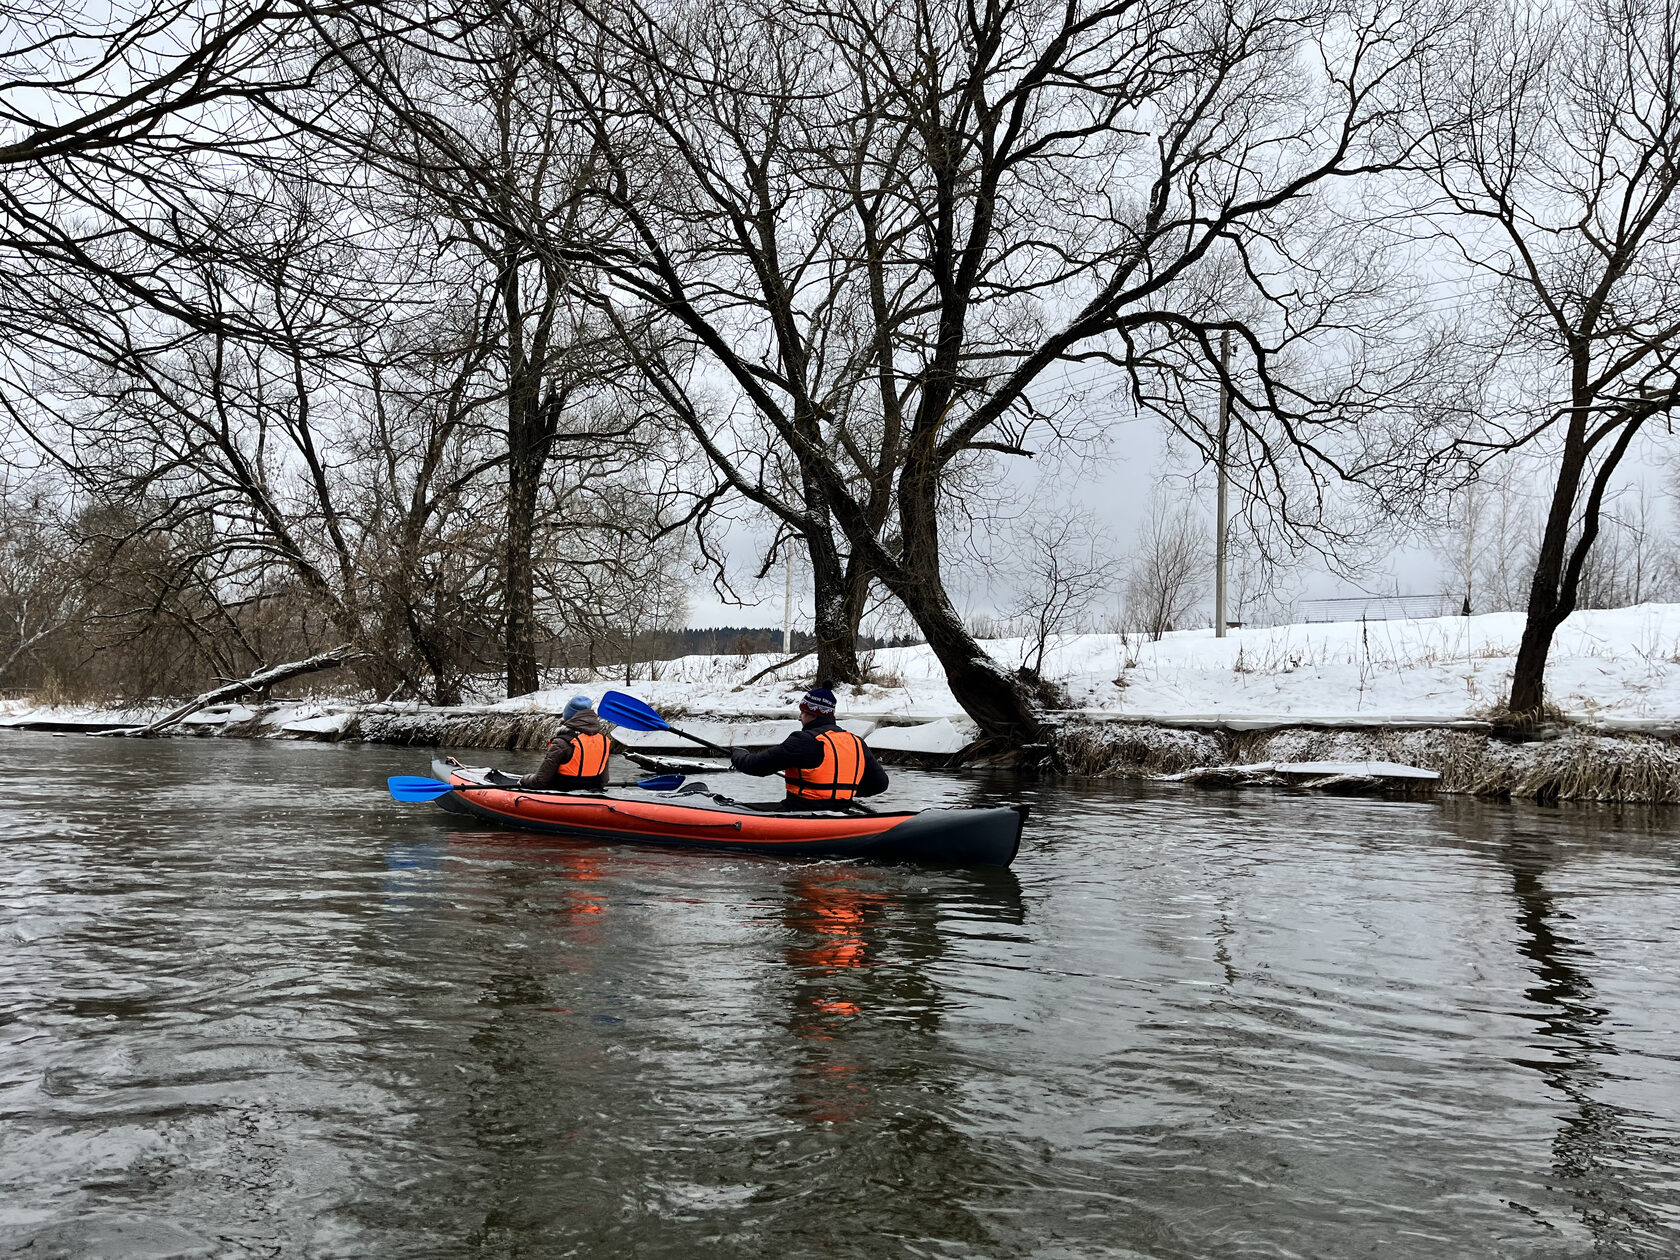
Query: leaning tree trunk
pixel 1551 595
pixel 262 680
pixel 1557 574
pixel 988 693
pixel 1528 678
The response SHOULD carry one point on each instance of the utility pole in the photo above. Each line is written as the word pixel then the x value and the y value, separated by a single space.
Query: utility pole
pixel 1219 528
pixel 787 602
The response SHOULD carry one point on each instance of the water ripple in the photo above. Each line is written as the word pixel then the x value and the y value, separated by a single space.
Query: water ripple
pixel 251 1007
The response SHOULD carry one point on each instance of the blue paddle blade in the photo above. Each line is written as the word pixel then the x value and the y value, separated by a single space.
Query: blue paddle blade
pixel 623 710
pixel 408 787
pixel 661 783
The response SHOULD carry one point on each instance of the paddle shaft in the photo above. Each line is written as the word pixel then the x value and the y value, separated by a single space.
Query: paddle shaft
pixel 704 743
pixel 514 787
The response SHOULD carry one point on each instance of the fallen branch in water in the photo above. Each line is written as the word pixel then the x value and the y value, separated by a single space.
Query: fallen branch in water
pixel 258 681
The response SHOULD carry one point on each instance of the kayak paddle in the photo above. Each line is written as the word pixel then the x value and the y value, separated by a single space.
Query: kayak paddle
pixel 407 787
pixel 412 787
pixel 627 711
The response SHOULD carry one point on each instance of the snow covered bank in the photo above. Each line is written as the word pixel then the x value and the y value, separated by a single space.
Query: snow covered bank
pixel 1617 669
pixel 1415 692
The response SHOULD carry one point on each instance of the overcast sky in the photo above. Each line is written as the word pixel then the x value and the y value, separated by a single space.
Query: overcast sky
pixel 1115 489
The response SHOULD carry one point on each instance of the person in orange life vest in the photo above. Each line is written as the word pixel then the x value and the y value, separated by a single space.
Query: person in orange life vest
pixel 577 755
pixel 825 766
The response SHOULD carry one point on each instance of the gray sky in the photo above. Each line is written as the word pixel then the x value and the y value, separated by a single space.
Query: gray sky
pixel 1115 490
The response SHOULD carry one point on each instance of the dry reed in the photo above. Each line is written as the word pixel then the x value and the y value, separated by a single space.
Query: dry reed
pixel 1113 749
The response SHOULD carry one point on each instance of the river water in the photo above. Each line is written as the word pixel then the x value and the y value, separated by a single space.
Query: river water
pixel 249 1006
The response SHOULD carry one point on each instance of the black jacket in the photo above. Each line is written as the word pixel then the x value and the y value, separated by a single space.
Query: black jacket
pixel 802 750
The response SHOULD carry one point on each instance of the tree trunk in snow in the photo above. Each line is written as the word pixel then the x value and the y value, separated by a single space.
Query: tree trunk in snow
pixel 832 627
pixel 519 627
pixel 1557 571
pixel 837 660
pixel 986 691
pixel 1549 602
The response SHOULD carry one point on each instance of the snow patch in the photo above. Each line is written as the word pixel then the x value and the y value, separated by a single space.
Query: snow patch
pixel 1361 769
pixel 325 724
pixel 219 715
pixel 943 737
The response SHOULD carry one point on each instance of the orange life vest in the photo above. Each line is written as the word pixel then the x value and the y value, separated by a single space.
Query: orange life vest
pixel 837 776
pixel 589 757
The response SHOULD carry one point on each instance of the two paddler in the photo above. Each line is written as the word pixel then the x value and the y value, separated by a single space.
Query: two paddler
pixel 824 765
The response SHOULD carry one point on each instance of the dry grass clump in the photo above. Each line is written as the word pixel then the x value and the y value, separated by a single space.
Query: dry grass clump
pixel 515 732
pixel 1585 767
pixel 1111 749
pixel 1458 756
pixel 871 673
pixel 1577 766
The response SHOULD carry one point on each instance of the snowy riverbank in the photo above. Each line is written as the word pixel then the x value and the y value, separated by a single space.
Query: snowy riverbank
pixel 1616 669
pixel 1393 690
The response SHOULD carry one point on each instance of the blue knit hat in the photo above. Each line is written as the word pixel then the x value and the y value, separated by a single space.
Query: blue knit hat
pixel 819 699
pixel 576 705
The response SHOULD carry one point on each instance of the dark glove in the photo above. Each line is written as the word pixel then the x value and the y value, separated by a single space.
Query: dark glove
pixel 736 757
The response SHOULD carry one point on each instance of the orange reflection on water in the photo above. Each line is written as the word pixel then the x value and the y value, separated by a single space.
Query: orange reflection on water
pixel 581 904
pixel 834 922
pixel 580 864
pixel 828 906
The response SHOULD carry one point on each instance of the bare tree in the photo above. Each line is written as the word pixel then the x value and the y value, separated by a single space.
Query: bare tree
pixel 273 374
pixel 1068 562
pixel 551 358
pixel 988 196
pixel 124 128
pixel 39 595
pixel 1552 137
pixel 481 137
pixel 1624 566
pixel 1169 565
pixel 144 260
pixel 674 242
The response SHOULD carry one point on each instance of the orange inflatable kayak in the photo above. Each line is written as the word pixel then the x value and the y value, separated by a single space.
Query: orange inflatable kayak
pixel 956 837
